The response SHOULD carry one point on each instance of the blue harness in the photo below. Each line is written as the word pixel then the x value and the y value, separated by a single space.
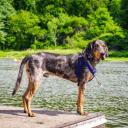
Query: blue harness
pixel 83 63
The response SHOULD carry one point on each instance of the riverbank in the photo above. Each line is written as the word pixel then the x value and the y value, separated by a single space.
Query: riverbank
pixel 115 56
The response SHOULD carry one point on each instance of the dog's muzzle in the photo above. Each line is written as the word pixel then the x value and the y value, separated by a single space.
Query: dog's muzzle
pixel 103 56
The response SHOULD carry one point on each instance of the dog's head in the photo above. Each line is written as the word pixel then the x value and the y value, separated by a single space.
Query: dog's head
pixel 96 51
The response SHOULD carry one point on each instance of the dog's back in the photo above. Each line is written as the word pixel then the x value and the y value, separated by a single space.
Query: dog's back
pixel 55 64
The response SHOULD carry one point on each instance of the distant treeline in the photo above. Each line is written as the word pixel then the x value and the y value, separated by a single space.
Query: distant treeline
pixel 41 24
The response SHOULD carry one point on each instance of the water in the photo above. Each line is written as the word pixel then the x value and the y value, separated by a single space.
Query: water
pixel 59 94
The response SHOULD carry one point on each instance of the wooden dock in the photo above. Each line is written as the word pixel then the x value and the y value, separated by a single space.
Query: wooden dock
pixel 13 117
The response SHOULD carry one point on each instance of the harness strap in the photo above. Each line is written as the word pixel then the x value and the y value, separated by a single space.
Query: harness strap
pixel 83 63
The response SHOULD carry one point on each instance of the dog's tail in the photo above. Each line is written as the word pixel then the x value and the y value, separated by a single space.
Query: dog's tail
pixel 19 78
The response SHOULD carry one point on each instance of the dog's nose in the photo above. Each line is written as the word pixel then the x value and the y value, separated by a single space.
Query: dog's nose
pixel 103 55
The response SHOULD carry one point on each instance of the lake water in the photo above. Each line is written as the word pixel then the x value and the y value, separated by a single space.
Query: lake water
pixel 59 94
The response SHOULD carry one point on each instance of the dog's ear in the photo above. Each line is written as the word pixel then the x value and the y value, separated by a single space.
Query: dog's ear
pixel 88 50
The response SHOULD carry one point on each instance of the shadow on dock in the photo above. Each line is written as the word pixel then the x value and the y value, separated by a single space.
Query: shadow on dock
pixel 43 112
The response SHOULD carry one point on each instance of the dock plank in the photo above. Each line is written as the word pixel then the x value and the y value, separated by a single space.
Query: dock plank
pixel 13 117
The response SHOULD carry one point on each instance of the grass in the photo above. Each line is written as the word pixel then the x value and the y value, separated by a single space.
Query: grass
pixel 21 54
pixel 113 55
pixel 118 54
pixel 117 59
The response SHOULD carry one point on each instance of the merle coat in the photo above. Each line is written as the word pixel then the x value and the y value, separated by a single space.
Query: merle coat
pixel 63 66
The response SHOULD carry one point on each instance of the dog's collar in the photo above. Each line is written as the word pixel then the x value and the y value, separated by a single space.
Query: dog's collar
pixel 81 64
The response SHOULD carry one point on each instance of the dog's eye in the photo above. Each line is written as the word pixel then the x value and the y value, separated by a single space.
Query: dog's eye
pixel 104 46
pixel 96 46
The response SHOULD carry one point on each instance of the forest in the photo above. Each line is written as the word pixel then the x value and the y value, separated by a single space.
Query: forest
pixel 68 24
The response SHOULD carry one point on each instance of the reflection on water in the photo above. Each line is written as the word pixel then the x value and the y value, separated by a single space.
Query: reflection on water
pixel 59 94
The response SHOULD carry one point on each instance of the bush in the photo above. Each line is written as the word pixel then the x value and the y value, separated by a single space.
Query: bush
pixel 117 41
pixel 101 22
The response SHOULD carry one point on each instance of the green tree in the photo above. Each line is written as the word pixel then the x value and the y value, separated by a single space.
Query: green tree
pixel 101 22
pixel 43 23
pixel 24 25
pixel 61 27
pixel 2 36
pixel 6 10
pixel 115 10
pixel 29 5
pixel 124 19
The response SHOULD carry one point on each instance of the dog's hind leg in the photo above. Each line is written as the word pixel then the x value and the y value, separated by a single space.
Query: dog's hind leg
pixel 24 101
pixel 28 95
pixel 33 85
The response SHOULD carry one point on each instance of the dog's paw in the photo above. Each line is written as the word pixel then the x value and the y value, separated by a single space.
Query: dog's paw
pixel 25 111
pixel 32 114
pixel 83 113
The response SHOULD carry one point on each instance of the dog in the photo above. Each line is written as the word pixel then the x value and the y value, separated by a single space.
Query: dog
pixel 78 68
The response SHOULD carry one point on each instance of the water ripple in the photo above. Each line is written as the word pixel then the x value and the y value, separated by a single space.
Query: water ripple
pixel 59 94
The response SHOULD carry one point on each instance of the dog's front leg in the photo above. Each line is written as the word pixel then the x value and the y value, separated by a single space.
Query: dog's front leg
pixel 80 100
pixel 81 88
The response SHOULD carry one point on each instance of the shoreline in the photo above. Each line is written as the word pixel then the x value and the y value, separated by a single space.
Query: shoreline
pixel 114 56
pixel 109 59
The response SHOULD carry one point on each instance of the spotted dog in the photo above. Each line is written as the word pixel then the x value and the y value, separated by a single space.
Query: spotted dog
pixel 68 67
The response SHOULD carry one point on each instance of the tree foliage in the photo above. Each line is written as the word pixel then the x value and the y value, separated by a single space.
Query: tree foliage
pixel 67 23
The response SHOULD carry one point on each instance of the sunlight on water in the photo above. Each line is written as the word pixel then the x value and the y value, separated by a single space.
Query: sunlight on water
pixel 60 94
